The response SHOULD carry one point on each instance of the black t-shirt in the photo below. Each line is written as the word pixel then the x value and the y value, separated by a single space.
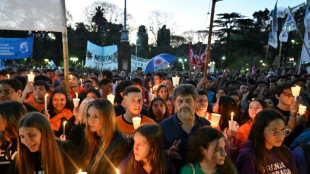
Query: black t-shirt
pixel 7 156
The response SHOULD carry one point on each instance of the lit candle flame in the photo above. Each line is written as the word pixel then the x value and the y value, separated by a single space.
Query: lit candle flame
pixel 117 171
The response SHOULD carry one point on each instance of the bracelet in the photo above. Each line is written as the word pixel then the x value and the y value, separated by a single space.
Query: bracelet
pixel 293 115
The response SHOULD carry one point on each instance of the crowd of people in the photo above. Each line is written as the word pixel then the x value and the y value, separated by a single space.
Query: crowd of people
pixel 262 128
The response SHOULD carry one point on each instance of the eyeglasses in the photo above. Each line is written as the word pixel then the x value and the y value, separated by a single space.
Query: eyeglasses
pixel 288 94
pixel 255 108
pixel 7 91
pixel 279 133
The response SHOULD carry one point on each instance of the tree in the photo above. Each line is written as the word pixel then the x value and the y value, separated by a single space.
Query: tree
pixel 98 18
pixel 163 37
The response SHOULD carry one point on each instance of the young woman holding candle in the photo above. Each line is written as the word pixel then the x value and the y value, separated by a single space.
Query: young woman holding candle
pixel 103 146
pixel 10 113
pixel 148 154
pixel 254 108
pixel 59 109
pixel 38 150
pixel 207 154
pixel 264 151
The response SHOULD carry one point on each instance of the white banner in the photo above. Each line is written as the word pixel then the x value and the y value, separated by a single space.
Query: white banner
pixel 273 36
pixel 33 15
pixel 290 25
pixel 304 55
pixel 100 58
pixel 138 62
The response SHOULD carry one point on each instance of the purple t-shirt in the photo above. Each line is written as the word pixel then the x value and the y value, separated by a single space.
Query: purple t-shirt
pixel 246 162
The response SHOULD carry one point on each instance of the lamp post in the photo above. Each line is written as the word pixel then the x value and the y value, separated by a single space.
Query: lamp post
pixel 74 59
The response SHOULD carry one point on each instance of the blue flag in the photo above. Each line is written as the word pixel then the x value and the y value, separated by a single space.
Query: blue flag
pixel 16 48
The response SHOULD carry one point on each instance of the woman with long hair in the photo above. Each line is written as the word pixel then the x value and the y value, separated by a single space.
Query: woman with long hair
pixel 264 151
pixel 59 110
pixel 207 154
pixel 255 106
pixel 162 92
pixel 148 154
pixel 158 110
pixel 10 113
pixel 104 146
pixel 37 148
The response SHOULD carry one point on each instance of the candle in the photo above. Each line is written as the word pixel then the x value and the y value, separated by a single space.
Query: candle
pixel 80 172
pixel 207 117
pixel 76 95
pixel 215 119
pixel 30 77
pixel 8 76
pixel 302 109
pixel 194 68
pixel 295 91
pixel 45 101
pixel 117 171
pixel 111 98
pixel 81 81
pixel 175 80
pixel 64 128
pixel 232 121
pixel 70 77
pixel 136 122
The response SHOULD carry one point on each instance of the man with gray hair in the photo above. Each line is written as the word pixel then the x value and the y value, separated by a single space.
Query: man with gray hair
pixel 177 128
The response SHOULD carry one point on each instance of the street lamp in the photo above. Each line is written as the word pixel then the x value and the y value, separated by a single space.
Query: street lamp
pixel 223 59
pixel 74 59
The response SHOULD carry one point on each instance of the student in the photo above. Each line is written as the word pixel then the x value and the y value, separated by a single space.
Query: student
pixel 37 148
pixel 158 110
pixel 243 131
pixel 40 89
pixel 133 105
pixel 207 154
pixel 148 154
pixel 162 92
pixel 106 87
pixel 10 113
pixel 103 146
pixel 74 85
pixel 59 109
pixel 11 89
pixel 264 152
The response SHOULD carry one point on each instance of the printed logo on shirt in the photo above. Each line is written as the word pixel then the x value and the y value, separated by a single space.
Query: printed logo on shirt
pixel 11 153
pixel 277 168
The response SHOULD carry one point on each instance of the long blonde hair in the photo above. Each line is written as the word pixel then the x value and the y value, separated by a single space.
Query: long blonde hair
pixel 51 157
pixel 82 110
pixel 107 122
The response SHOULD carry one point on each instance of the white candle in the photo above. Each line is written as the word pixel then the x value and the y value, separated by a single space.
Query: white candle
pixel 117 171
pixel 111 98
pixel 207 116
pixel 295 91
pixel 80 172
pixel 81 82
pixel 76 95
pixel 302 109
pixel 30 77
pixel 232 121
pixel 45 101
pixel 175 80
pixel 8 76
pixel 64 128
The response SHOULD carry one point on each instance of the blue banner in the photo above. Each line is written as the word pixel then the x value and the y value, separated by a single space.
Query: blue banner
pixel 16 48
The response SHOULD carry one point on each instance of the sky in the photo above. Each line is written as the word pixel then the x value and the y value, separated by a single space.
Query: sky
pixel 188 14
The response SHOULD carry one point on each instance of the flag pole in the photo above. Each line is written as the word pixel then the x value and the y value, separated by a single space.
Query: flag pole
pixel 209 39
pixel 266 53
pixel 66 62
pixel 280 52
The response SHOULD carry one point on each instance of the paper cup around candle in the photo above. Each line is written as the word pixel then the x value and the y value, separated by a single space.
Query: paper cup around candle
pixel 136 122
pixel 111 98
pixel 302 109
pixel 151 96
pixel 233 125
pixel 295 91
pixel 76 102
pixel 175 80
pixel 30 77
pixel 215 119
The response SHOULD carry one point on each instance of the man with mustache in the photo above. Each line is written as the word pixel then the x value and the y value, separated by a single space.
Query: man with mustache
pixel 177 128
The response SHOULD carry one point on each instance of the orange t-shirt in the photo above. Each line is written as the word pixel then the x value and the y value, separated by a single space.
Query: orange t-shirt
pixel 244 132
pixel 35 104
pixel 127 128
